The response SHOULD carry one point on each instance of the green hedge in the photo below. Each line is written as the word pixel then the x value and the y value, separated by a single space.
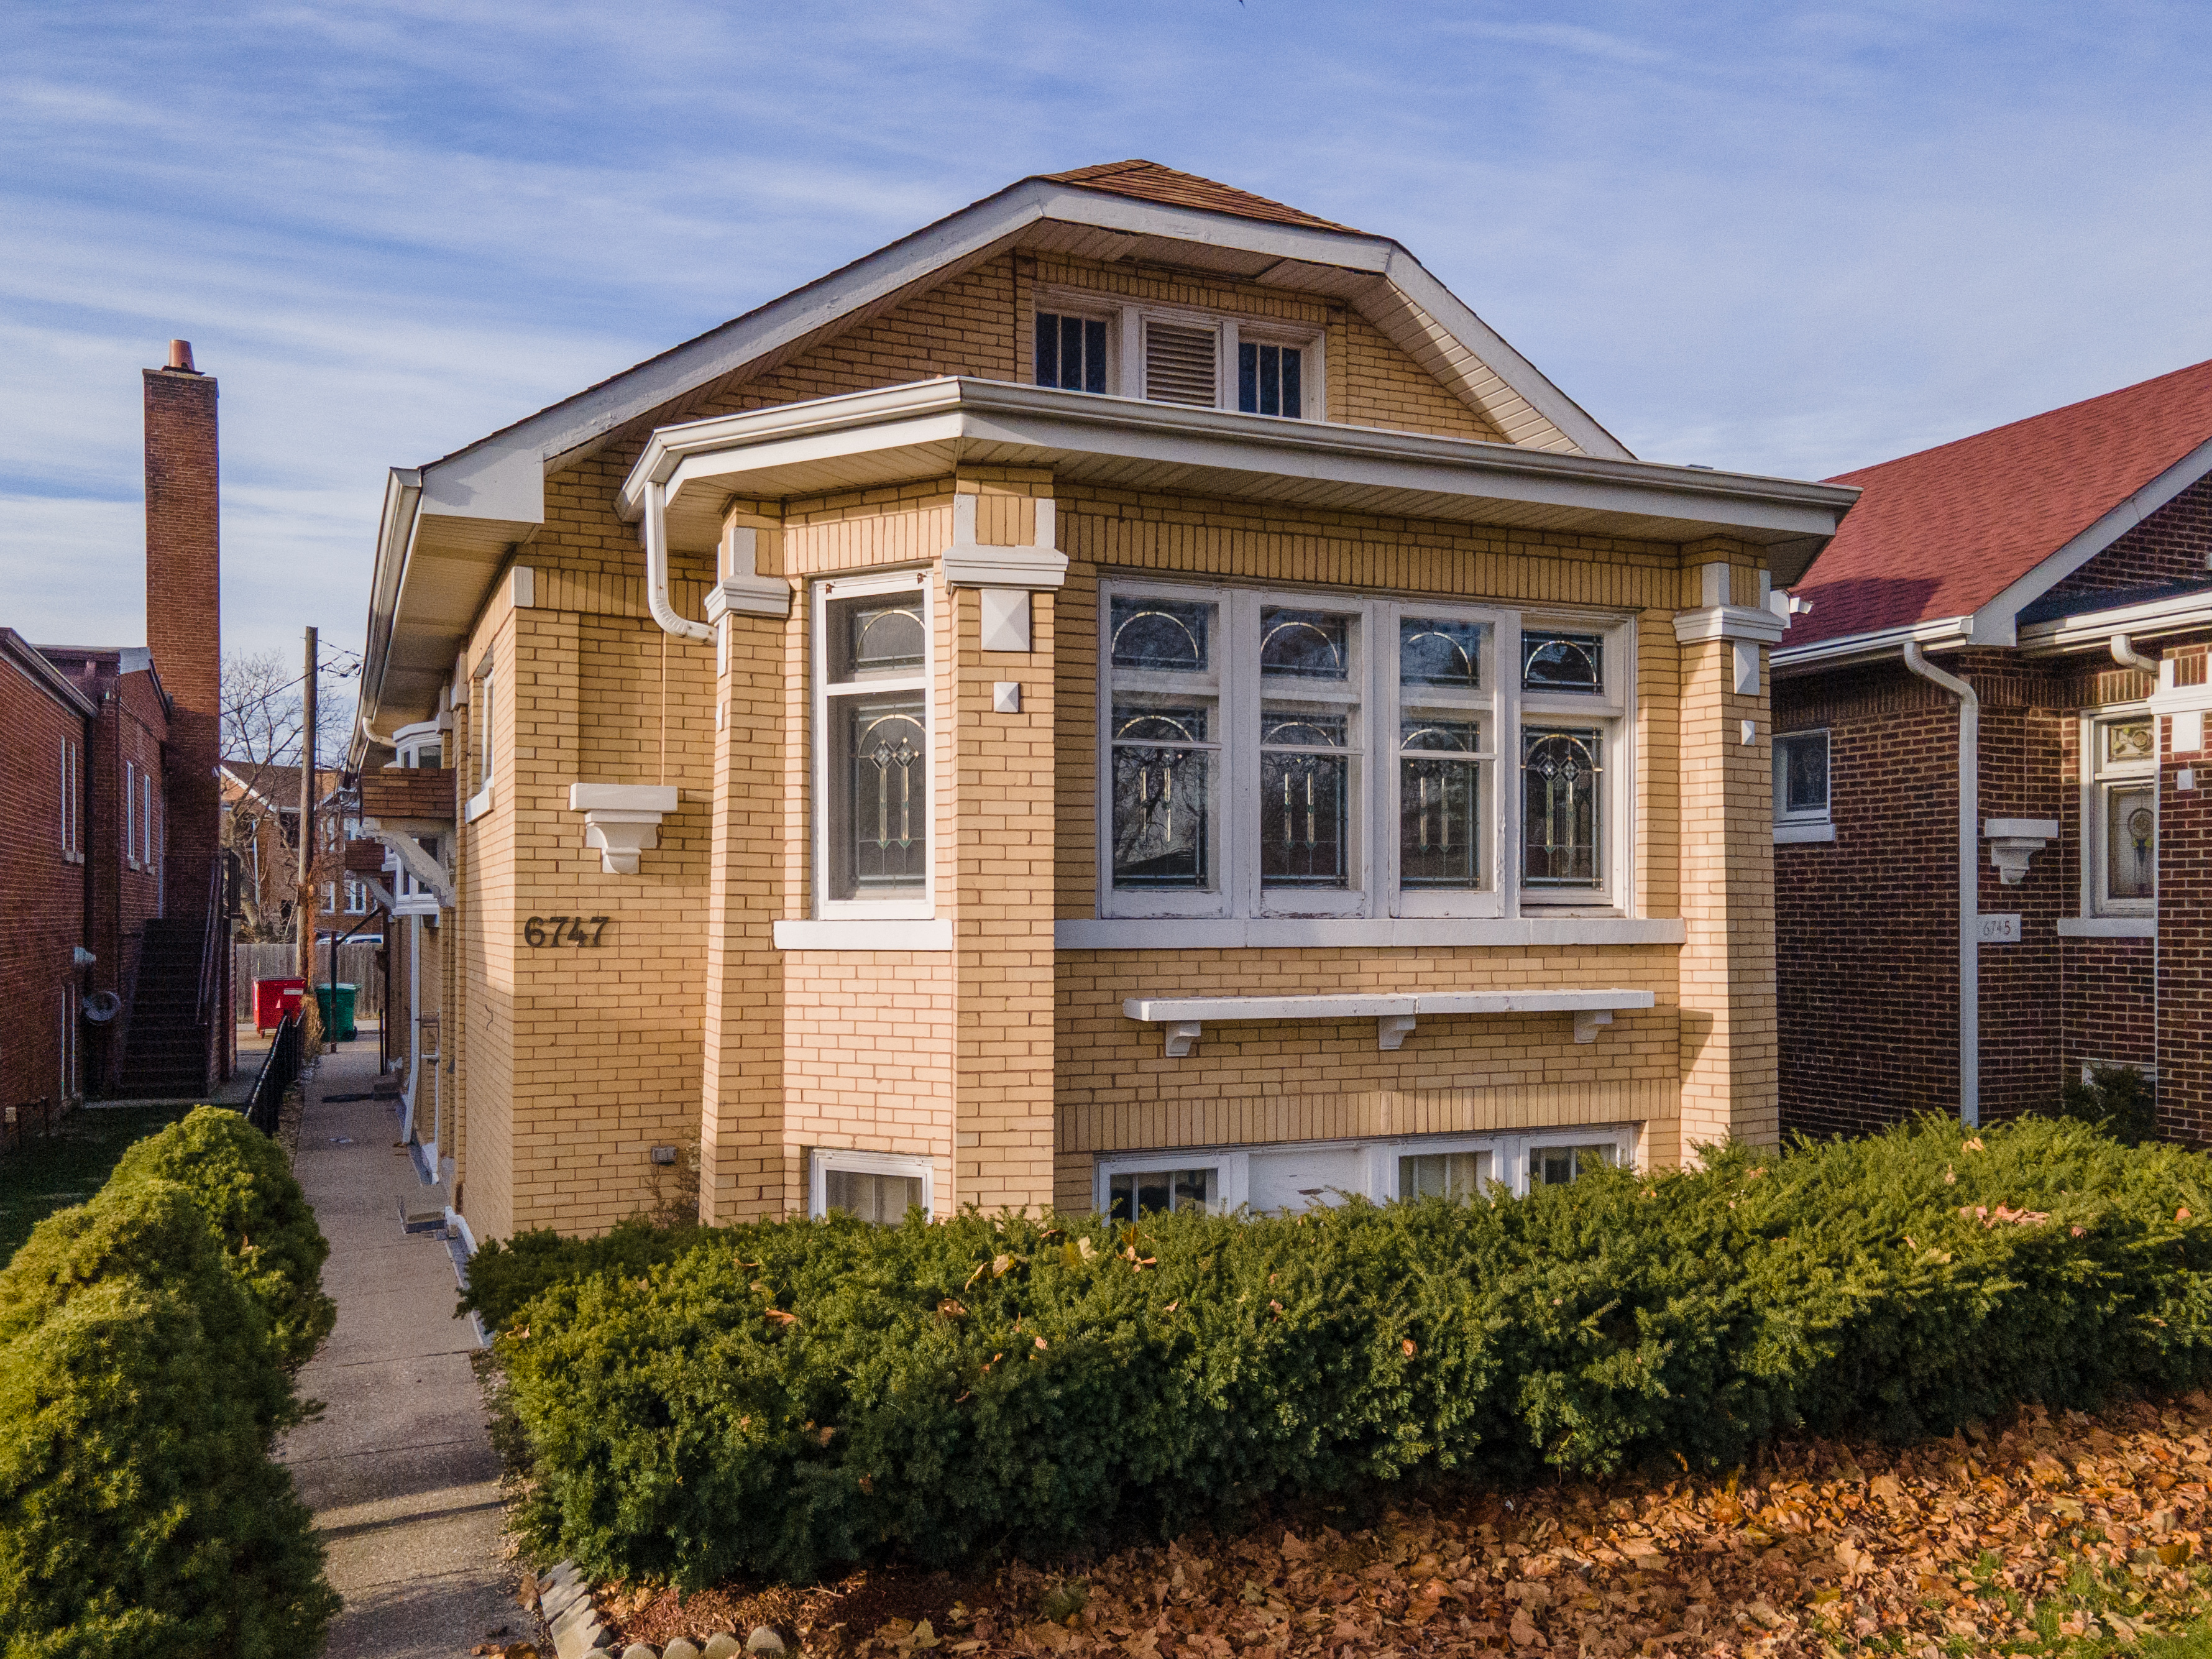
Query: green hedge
pixel 143 1382
pixel 238 1177
pixel 785 1398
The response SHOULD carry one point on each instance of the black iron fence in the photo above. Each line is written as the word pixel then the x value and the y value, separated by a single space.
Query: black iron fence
pixel 280 1069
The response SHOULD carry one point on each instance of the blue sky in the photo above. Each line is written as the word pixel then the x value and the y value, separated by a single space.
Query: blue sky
pixel 1784 238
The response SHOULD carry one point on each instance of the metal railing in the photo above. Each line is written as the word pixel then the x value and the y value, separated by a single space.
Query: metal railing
pixel 280 1069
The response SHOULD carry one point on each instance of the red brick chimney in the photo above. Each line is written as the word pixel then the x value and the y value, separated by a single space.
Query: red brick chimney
pixel 184 613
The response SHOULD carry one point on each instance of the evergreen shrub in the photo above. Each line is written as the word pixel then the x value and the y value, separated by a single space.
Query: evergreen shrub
pixel 240 1180
pixel 785 1398
pixel 154 1234
pixel 139 1512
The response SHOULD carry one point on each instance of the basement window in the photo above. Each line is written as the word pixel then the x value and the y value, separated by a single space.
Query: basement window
pixel 879 1187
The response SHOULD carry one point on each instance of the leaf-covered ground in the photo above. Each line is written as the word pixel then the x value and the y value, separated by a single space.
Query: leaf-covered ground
pixel 2069 1534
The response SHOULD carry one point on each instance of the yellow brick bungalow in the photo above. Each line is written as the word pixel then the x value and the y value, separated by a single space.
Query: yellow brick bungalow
pixel 1130 697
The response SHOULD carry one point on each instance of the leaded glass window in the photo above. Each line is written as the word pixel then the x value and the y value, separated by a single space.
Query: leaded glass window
pixel 2124 815
pixel 1165 743
pixel 1559 777
pixel 875 711
pixel 1801 776
pixel 1554 661
pixel 1307 747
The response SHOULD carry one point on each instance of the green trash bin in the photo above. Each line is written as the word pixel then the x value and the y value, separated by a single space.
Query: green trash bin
pixel 337 1026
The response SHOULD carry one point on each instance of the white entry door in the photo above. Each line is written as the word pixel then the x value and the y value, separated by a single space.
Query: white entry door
pixel 1300 1177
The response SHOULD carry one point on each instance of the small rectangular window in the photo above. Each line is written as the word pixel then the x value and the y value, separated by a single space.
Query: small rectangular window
pixel 878 1187
pixel 1181 364
pixel 486 707
pixel 1268 379
pixel 1555 1166
pixel 130 813
pixel 1071 352
pixel 1444 1175
pixel 1135 1193
pixel 1801 777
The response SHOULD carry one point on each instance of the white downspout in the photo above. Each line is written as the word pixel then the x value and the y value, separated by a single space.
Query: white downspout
pixel 414 1019
pixel 2125 655
pixel 1970 876
pixel 656 569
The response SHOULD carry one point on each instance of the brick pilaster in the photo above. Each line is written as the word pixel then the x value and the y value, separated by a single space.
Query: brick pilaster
pixel 1728 1047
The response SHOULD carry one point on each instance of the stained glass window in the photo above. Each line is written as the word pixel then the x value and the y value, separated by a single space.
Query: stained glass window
pixel 1553 661
pixel 1559 805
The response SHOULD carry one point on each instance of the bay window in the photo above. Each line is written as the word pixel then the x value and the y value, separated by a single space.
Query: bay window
pixel 872 726
pixel 1306 755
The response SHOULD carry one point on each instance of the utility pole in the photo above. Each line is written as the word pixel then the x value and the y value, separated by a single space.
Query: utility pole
pixel 303 909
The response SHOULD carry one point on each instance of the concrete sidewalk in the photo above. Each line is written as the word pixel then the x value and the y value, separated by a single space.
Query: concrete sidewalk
pixel 399 1469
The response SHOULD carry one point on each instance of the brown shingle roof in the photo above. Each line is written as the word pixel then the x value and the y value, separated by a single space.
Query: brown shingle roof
pixel 1148 181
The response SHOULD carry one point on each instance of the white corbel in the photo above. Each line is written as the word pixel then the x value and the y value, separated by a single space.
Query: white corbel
pixel 2014 842
pixel 742 591
pixel 622 820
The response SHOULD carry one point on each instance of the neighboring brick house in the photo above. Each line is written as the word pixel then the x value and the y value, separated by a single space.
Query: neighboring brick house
pixel 261 815
pixel 110 835
pixel 46 725
pixel 1131 695
pixel 2039 596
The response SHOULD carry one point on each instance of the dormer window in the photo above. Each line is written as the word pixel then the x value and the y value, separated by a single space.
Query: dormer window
pixel 1071 352
pixel 1198 360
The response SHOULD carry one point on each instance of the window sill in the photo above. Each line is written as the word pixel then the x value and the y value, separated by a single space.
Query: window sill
pixel 478 805
pixel 864 933
pixel 2108 927
pixel 1258 933
pixel 1789 835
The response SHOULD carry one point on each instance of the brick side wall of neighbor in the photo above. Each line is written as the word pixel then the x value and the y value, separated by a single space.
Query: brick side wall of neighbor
pixel 41 894
pixel 132 734
pixel 2174 544
pixel 184 617
pixel 1867 958
pixel 789 1044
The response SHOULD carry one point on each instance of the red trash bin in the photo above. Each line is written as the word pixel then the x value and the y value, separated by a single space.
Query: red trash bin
pixel 273 998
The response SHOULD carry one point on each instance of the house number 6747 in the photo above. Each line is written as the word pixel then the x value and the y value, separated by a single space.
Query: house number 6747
pixel 563 930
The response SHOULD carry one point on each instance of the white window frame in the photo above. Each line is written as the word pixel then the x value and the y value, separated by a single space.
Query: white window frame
pixel 1373 889
pixel 1782 812
pixel 130 813
pixel 1125 344
pixel 820 1160
pixel 2097 778
pixel 827 908
pixel 409 742
pixel 1510 1154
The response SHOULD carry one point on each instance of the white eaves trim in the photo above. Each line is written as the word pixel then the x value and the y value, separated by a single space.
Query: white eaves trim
pixel 1938 633
pixel 1995 621
pixel 724 449
pixel 2092 630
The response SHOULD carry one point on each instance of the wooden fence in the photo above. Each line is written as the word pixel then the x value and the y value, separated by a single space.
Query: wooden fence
pixel 356 967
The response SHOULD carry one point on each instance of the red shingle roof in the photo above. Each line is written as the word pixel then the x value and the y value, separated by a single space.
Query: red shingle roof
pixel 1148 181
pixel 1942 532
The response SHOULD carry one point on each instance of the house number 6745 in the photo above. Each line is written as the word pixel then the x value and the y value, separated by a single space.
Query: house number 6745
pixel 563 930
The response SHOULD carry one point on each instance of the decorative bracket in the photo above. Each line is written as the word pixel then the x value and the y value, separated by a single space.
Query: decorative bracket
pixel 622 820
pixel 1181 1034
pixel 1587 1020
pixel 427 871
pixel 2014 842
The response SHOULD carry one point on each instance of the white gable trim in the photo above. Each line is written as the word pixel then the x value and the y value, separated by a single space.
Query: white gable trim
pixel 1998 622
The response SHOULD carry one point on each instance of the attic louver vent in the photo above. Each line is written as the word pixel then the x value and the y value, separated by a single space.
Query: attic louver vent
pixel 1180 364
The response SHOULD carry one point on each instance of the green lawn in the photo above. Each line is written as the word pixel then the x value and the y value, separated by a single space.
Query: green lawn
pixel 54 1171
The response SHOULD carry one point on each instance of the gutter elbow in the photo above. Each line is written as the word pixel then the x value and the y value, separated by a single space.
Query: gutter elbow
pixel 1916 661
pixel 2125 655
pixel 656 570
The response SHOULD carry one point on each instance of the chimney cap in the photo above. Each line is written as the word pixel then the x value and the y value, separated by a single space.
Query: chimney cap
pixel 181 356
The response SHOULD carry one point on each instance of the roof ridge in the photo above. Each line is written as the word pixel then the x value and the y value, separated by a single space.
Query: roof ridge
pixel 1155 181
